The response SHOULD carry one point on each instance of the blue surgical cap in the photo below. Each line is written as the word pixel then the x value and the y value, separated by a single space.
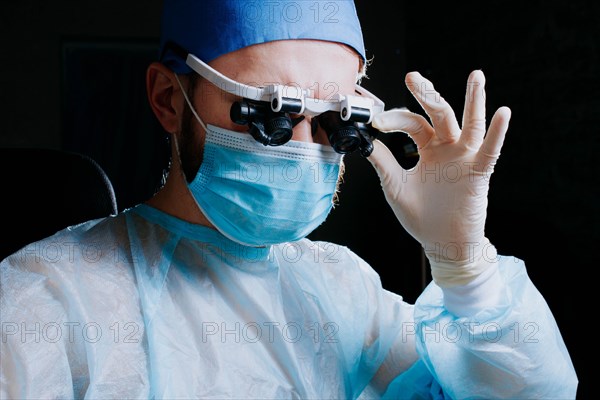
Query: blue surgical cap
pixel 211 28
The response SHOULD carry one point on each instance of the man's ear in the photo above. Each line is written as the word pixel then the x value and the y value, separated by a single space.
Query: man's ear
pixel 164 95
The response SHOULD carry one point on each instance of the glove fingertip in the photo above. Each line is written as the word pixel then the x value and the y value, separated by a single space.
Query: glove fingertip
pixel 388 120
pixel 381 156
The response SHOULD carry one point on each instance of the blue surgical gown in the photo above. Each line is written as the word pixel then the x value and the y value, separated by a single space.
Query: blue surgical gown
pixel 144 305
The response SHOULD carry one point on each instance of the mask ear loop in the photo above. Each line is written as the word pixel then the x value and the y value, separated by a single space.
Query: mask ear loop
pixel 178 153
pixel 181 171
pixel 189 103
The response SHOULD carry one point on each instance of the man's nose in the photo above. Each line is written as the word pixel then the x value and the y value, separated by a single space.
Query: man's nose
pixel 303 132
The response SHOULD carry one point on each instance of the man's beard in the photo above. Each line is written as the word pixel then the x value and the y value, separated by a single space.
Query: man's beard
pixel 191 151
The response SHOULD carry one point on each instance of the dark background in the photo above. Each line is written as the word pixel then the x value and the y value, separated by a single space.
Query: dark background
pixel 73 78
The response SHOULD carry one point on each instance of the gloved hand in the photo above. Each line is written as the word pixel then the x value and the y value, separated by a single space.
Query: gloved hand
pixel 442 201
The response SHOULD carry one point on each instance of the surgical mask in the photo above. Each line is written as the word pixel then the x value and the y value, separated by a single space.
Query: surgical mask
pixel 257 195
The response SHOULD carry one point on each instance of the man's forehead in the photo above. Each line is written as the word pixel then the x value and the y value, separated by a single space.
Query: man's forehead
pixel 324 67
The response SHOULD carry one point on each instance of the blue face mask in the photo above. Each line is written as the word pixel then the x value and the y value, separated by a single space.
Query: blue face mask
pixel 261 195
pixel 257 195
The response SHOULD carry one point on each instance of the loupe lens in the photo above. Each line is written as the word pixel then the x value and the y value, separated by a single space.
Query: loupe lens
pixel 279 130
pixel 345 139
pixel 343 135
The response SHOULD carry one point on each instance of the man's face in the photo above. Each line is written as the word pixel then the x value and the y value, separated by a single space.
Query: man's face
pixel 326 68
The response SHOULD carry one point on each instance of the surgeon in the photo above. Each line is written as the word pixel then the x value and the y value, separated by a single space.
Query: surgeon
pixel 211 290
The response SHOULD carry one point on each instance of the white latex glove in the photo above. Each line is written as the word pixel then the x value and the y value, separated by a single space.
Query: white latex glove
pixel 442 201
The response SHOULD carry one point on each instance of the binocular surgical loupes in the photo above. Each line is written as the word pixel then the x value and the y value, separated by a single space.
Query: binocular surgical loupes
pixel 271 112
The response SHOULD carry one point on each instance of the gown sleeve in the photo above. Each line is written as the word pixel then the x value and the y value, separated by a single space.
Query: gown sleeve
pixel 70 319
pixel 34 350
pixel 511 350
